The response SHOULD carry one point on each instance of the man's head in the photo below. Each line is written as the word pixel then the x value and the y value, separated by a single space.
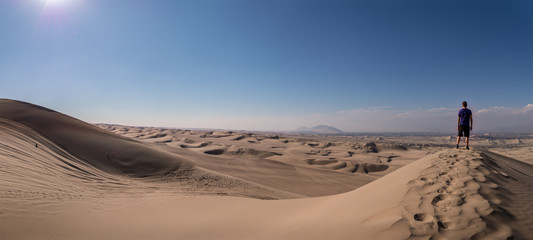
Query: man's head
pixel 464 104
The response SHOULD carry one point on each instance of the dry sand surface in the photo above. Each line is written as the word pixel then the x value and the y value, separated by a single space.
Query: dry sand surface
pixel 522 153
pixel 61 178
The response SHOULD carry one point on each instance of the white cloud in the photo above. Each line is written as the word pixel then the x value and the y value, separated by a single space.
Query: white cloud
pixel 527 109
pixel 490 110
pixel 404 115
pixel 506 110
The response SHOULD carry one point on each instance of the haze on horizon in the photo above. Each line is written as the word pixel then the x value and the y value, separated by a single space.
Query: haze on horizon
pixel 273 65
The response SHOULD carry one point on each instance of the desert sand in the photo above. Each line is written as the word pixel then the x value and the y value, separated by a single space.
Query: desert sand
pixel 62 178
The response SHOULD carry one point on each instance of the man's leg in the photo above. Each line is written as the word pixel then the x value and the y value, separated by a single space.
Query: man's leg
pixel 459 135
pixel 466 140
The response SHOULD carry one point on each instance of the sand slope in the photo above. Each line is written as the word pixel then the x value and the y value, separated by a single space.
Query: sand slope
pixel 35 171
pixel 109 152
pixel 51 173
pixel 55 185
pixel 448 195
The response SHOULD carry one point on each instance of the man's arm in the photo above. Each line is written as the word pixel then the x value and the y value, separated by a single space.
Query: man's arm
pixel 458 121
pixel 471 122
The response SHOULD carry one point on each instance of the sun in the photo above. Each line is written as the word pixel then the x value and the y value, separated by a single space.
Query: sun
pixel 55 2
pixel 56 12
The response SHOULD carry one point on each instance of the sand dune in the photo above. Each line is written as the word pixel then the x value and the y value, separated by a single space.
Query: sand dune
pixel 442 196
pixel 274 161
pixel 57 183
pixel 33 166
pixel 88 152
pixel 109 152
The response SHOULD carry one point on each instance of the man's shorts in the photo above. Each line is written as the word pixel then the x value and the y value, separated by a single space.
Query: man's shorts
pixel 464 131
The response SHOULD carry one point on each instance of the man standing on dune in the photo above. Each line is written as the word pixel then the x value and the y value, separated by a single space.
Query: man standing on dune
pixel 464 124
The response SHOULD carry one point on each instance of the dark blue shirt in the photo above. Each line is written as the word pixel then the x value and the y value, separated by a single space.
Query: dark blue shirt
pixel 464 116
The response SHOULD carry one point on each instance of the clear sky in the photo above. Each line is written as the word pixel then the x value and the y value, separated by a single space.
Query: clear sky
pixel 272 65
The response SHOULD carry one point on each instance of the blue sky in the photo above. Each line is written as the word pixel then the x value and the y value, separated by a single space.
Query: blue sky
pixel 271 65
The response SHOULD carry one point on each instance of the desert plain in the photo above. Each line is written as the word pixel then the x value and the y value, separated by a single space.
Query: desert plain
pixel 62 178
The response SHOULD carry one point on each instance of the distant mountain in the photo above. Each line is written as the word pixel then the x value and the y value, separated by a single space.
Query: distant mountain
pixel 319 129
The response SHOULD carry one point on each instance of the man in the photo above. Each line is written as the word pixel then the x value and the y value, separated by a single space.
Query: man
pixel 464 124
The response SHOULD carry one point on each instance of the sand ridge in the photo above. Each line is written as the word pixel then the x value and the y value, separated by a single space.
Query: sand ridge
pixel 451 205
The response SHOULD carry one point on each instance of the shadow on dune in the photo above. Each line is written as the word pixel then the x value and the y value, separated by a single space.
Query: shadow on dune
pixel 106 151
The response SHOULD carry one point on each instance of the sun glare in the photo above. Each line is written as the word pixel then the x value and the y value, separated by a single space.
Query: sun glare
pixel 55 2
pixel 58 12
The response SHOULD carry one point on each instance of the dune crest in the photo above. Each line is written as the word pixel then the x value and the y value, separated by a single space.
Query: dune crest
pixel 445 201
